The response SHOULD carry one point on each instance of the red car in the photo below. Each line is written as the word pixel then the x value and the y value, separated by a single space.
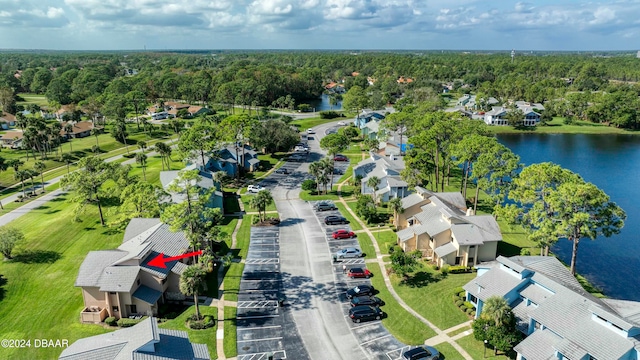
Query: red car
pixel 359 273
pixel 340 158
pixel 343 234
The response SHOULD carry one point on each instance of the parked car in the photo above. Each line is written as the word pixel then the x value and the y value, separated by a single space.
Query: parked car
pixel 337 171
pixel 364 313
pixel 335 220
pixel 343 234
pixel 422 352
pixel 349 253
pixel 340 157
pixel 359 273
pixel 311 131
pixel 366 300
pixel 296 158
pixel 360 290
pixel 299 148
pixel 282 170
pixel 254 188
pixel 323 206
pixel 342 123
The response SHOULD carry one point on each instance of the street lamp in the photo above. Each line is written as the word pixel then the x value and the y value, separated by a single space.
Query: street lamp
pixel 484 355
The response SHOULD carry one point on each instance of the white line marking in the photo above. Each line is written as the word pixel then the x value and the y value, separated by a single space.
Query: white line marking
pixel 376 339
pixel 259 327
pixel 265 339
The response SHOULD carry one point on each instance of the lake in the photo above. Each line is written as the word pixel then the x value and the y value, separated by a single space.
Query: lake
pixel 612 162
pixel 322 104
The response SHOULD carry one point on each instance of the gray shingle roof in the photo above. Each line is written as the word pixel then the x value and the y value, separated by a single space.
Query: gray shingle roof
pixel 118 278
pixel 629 310
pixel 411 200
pixel 93 265
pixel 538 346
pixel 137 225
pixel 467 234
pixel 446 249
pixel 147 294
pixel 431 218
pixel 536 293
pixel 144 341
pixel 495 282
pixel 406 234
pixel 452 198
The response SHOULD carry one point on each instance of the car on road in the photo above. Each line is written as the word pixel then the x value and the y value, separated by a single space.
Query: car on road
pixel 364 313
pixel 299 148
pixel 366 300
pixel 342 123
pixel 311 131
pixel 254 188
pixel 422 352
pixel 349 253
pixel 359 273
pixel 340 157
pixel 360 290
pixel 323 206
pixel 282 170
pixel 343 234
pixel 296 158
pixel 335 220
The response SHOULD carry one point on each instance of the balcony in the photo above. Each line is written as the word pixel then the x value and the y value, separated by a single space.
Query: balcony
pixel 93 314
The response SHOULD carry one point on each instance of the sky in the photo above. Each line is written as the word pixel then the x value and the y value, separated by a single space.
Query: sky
pixel 564 25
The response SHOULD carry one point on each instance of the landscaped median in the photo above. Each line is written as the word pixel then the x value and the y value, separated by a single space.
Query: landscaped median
pixel 353 223
pixel 204 336
pixel 230 334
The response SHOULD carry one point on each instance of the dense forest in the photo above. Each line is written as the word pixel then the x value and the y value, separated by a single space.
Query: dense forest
pixel 575 86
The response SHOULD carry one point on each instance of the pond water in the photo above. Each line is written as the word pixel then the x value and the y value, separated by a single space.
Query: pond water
pixel 322 103
pixel 612 162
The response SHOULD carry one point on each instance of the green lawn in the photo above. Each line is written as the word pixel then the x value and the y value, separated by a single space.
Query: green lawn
pixel 246 199
pixel 304 124
pixel 448 352
pixel 244 236
pixel 347 174
pixel 308 196
pixel 556 126
pixel 205 336
pixel 355 225
pixel 404 326
pixel 40 278
pixel 430 294
pixel 230 333
pixel 366 246
pixel 29 98
pixel 231 205
pixel 232 281
pixel 476 349
pixel 385 239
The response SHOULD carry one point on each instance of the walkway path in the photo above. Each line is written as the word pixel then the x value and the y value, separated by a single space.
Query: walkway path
pixel 441 334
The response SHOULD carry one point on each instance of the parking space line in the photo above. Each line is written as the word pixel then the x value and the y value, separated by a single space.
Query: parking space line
pixel 259 327
pixel 263 356
pixel 265 339
pixel 376 339
pixel 240 317
pixel 400 350
pixel 375 322
pixel 257 304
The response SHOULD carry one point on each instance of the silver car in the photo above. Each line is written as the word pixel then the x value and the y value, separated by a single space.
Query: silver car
pixel 349 253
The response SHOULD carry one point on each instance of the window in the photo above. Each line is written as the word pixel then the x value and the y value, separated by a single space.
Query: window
pixel 115 309
pixel 410 221
pixel 458 259
pixel 132 309
pixel 138 281
pixel 112 292
pixel 472 247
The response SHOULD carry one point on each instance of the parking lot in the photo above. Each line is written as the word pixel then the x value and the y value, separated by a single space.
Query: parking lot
pixel 372 336
pixel 263 327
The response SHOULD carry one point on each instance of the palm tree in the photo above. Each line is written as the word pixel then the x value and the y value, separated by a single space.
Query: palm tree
pixel 67 159
pixel 373 183
pixel 142 145
pixel 219 177
pixel 22 175
pixel 396 206
pixel 31 174
pixel 120 130
pixel 68 129
pixel 3 167
pixel 192 283
pixel 56 127
pixel 497 309
pixel 165 154
pixel 40 167
pixel 141 159
pixel 177 126
pixel 315 169
pixel 260 202
pixel 21 121
pixel 96 132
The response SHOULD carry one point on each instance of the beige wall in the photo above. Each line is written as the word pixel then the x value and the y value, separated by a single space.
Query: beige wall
pixel 408 245
pixel 487 251
pixel 93 297
pixel 402 218
pixel 149 280
pixel 423 242
pixel 173 283
pixel 144 308
pixel 441 239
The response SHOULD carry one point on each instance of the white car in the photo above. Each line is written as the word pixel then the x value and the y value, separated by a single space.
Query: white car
pixel 349 253
pixel 301 149
pixel 311 131
pixel 254 188
pixel 342 123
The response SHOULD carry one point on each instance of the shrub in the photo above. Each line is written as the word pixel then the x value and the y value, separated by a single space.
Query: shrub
pixel 445 269
pixel 329 114
pixel 111 321
pixel 459 269
pixel 458 290
pixel 468 305
pixel 469 311
pixel 459 303
pixel 124 322
pixel 393 248
pixel 204 323
pixel 309 185
pixel 462 294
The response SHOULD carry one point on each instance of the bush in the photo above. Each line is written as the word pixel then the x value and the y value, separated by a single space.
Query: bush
pixel 124 322
pixel 111 321
pixel 445 269
pixel 458 290
pixel 469 311
pixel 468 305
pixel 459 303
pixel 393 248
pixel 329 114
pixel 435 267
pixel 459 269
pixel 204 323
pixel 309 185
pixel 462 294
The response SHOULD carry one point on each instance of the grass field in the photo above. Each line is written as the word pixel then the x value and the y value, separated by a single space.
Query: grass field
pixel 206 336
pixel 448 352
pixel 404 326
pixel 246 200
pixel 230 344
pixel 355 225
pixel 476 349
pixel 430 294
pixel 385 239
pixel 366 246
pixel 29 98
pixel 304 124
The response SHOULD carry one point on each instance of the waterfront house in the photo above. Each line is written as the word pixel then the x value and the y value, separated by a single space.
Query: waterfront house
pixel 498 115
pixel 560 319
pixel 439 225
pixel 144 340
pixel 387 170
pixel 121 283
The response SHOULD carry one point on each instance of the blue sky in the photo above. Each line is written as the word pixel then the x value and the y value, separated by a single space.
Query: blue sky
pixel 320 24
